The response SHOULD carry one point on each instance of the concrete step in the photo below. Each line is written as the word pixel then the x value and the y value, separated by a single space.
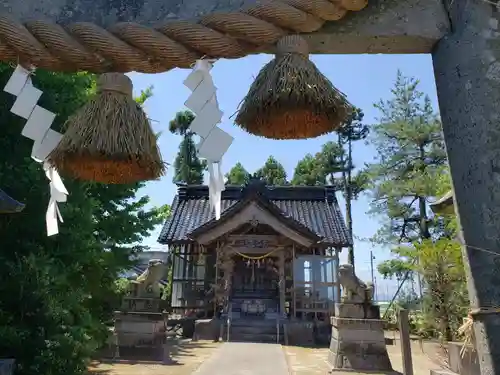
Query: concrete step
pixel 258 338
pixel 270 303
pixel 253 330
pixel 242 322
pixel 240 297
pixel 268 309
pixel 258 293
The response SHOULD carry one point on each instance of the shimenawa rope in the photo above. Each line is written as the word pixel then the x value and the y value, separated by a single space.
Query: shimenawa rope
pixel 244 256
pixel 127 46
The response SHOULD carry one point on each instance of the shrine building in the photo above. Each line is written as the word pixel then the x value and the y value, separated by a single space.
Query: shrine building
pixel 273 254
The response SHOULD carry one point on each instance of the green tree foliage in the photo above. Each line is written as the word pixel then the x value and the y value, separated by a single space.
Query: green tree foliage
pixel 322 168
pixel 336 158
pixel 352 131
pixel 411 156
pixel 445 299
pixel 58 292
pixel 441 267
pixel 238 175
pixel 411 170
pixel 122 285
pixel 163 212
pixel 145 95
pixel 188 166
pixel 309 171
pixel 181 122
pixel 332 160
pixel 273 172
pixel 166 294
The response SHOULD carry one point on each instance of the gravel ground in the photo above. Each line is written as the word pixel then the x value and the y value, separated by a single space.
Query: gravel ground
pixel 187 356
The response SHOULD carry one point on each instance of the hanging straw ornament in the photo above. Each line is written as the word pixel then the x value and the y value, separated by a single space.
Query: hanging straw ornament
pixel 291 98
pixel 110 139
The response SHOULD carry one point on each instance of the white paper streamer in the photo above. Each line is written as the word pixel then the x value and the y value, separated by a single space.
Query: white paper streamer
pixel 215 145
pixel 17 81
pixel 42 148
pixel 214 141
pixel 200 70
pixel 58 194
pixel 215 188
pixel 37 128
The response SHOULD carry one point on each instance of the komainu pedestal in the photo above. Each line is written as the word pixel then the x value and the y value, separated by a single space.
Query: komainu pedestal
pixel 140 326
pixel 358 345
pixel 358 341
pixel 141 336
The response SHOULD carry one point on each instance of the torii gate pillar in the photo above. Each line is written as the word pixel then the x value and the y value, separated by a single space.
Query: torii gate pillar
pixel 467 68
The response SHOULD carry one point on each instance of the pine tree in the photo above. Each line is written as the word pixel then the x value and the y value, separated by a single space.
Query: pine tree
pixel 352 131
pixel 238 175
pixel 273 172
pixel 189 168
pixel 309 172
pixel 410 166
pixel 411 156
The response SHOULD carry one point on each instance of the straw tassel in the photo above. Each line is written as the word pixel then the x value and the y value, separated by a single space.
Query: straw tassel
pixel 291 98
pixel 110 139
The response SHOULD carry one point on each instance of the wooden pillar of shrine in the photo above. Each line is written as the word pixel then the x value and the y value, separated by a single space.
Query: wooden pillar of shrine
pixel 282 280
pixel 338 292
pixel 224 263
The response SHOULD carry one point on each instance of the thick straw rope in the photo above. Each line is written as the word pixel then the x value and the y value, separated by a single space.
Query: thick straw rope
pixel 126 47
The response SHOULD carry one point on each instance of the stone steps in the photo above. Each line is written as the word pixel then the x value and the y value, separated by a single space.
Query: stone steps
pixel 256 338
pixel 253 330
pixel 270 303
pixel 255 322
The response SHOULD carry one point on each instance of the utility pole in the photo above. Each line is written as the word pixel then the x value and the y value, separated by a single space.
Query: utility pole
pixel 372 258
pixel 420 292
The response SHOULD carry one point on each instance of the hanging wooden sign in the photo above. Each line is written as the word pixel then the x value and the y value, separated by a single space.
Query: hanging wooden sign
pixel 253 241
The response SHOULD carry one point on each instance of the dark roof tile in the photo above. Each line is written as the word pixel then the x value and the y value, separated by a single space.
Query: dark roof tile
pixel 315 208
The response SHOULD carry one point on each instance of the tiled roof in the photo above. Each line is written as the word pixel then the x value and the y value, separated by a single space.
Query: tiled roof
pixel 9 205
pixel 315 208
pixel 444 204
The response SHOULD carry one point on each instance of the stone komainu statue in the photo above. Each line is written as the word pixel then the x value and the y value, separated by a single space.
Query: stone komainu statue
pixel 355 290
pixel 148 284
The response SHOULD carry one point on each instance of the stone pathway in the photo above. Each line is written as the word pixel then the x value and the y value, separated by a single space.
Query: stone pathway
pixel 245 359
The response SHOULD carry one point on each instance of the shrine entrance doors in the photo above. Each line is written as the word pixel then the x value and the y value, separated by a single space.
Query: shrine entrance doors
pixel 255 277
pixel 255 286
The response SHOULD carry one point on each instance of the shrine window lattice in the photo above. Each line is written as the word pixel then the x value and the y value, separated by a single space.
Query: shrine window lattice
pixel 188 279
pixel 315 283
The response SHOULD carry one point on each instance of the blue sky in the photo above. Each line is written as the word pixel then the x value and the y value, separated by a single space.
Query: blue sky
pixel 365 79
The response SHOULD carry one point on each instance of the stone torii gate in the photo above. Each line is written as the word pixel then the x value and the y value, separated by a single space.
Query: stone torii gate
pixel 463 37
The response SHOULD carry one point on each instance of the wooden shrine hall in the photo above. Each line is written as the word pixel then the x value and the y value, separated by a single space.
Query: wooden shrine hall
pixel 273 252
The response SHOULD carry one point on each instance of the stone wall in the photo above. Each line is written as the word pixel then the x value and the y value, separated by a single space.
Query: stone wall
pixel 299 333
pixel 467 364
